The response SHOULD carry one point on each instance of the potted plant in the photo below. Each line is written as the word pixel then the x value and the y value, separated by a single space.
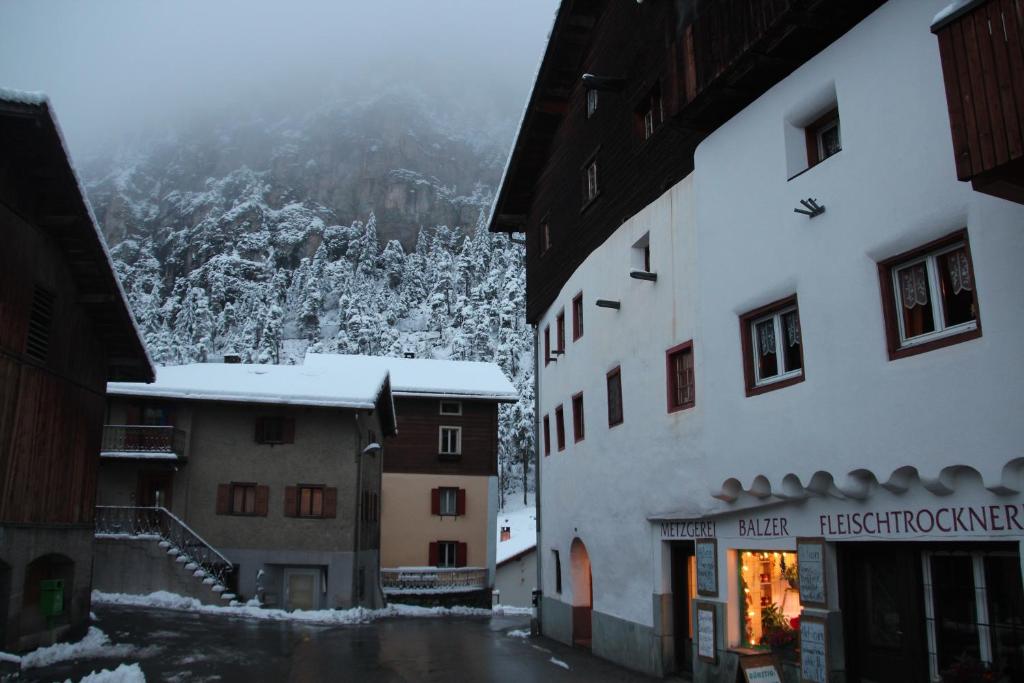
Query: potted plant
pixel 966 669
pixel 779 633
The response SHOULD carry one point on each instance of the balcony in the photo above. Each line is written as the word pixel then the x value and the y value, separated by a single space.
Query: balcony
pixel 143 442
pixel 980 45
pixel 432 580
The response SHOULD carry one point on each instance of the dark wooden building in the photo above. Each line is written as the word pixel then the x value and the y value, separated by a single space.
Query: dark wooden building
pixel 65 330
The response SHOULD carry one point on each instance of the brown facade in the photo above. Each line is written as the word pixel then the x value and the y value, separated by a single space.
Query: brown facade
pixel 65 330
pixel 698 62
pixel 415 449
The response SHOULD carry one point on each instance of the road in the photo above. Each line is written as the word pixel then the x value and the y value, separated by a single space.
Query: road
pixel 186 647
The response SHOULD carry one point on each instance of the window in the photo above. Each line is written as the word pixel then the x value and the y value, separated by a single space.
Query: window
pixel 311 501
pixel 577 316
pixel 447 554
pixel 545 238
pixel 275 430
pixel 560 427
pixel 547 344
pixel 449 501
pixel 243 499
pixel 558 572
pixel 591 103
pixel 650 113
pixel 590 189
pixel 681 388
pixel 37 343
pixel 371 507
pixel 976 601
pixel 772 346
pixel 614 380
pixel 560 332
pixel 929 297
pixel 823 138
pixel 547 436
pixel 451 407
pixel 641 254
pixel 450 440
pixel 768 581
pixel 577 417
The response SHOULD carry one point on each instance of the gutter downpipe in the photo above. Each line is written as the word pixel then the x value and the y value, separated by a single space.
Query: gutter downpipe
pixel 538 593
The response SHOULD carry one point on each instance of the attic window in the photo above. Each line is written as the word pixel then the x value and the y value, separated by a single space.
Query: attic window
pixel 650 113
pixel 545 237
pixel 591 103
pixel 451 408
pixel 37 344
pixel 590 189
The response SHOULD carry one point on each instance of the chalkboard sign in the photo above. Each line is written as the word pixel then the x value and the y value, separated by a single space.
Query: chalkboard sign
pixel 813 649
pixel 707 645
pixel 760 669
pixel 810 560
pixel 707 567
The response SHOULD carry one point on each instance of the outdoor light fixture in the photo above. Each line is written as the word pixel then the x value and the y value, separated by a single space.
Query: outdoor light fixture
pixel 811 207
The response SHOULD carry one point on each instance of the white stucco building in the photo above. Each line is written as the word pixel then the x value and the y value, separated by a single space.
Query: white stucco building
pixel 848 381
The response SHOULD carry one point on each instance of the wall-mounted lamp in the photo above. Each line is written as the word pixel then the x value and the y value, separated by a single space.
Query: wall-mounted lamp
pixel 811 208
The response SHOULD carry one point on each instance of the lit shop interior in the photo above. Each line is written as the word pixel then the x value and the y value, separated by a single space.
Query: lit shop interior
pixel 770 589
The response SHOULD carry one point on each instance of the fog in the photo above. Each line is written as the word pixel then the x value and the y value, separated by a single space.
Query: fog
pixel 120 69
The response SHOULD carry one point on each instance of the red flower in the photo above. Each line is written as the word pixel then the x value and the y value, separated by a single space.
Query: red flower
pixel 794 623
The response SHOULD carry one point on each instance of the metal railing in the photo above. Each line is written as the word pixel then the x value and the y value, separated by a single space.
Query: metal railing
pixel 428 580
pixel 187 547
pixel 143 439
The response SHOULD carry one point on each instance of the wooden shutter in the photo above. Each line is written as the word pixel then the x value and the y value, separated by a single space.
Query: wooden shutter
pixel 262 500
pixel 330 502
pixel 288 430
pixel 260 424
pixel 435 501
pixel 433 559
pixel 461 550
pixel 291 501
pixel 460 502
pixel 223 499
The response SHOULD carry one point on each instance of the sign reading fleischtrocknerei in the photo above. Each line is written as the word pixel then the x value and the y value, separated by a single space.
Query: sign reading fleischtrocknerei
pixel 810 562
pixel 707 567
pixel 813 650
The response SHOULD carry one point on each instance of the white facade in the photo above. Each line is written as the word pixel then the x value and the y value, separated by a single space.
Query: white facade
pixel 862 433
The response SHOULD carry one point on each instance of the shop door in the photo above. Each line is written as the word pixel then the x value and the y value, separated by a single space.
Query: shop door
pixel 154 489
pixel 300 588
pixel 884 618
pixel 682 593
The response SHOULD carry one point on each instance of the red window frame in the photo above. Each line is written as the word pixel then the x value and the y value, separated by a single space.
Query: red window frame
pixel 547 435
pixel 560 332
pixel 747 345
pixel 560 427
pixel 616 375
pixel 671 377
pixel 577 316
pixel 578 426
pixel 547 344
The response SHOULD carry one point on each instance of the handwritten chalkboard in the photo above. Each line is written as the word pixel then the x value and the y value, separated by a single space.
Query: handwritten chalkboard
pixel 813 649
pixel 810 557
pixel 707 567
pixel 707 647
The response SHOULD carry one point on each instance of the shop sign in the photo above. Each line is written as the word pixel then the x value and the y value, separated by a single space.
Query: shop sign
pixel 955 519
pixel 688 528
pixel 760 669
pixel 810 556
pixel 707 647
pixel 813 649
pixel 707 567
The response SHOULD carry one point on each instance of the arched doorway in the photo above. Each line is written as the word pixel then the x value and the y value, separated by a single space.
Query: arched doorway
pixel 582 594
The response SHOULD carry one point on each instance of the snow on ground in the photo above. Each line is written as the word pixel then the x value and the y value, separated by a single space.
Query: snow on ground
pixel 96 643
pixel 252 610
pixel 523 523
pixel 519 633
pixel 125 673
pixel 559 662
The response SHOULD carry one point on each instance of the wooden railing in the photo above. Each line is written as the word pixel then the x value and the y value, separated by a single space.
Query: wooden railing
pixel 981 46
pixel 176 537
pixel 432 580
pixel 143 439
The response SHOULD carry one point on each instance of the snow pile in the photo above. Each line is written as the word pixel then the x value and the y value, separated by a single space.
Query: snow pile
pixel 96 643
pixel 125 673
pixel 519 633
pixel 511 611
pixel 251 609
pixel 559 662
pixel 522 524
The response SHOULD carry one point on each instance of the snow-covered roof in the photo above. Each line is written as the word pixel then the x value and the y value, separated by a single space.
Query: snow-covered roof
pixel 23 96
pixel 426 376
pixel 355 386
pixel 952 11
pixel 522 524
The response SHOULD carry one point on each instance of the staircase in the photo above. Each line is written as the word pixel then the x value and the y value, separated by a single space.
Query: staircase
pixel 140 550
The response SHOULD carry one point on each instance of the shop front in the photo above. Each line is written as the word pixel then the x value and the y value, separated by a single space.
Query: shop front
pixel 897 586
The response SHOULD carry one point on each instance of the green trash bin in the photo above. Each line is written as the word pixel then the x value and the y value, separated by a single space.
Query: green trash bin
pixel 51 597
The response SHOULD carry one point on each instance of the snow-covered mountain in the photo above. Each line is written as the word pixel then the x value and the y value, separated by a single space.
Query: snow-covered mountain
pixel 354 227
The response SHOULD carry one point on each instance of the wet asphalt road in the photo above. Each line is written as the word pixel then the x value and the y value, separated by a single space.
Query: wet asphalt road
pixel 188 647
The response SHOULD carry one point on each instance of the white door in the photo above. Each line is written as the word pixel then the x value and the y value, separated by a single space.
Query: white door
pixel 301 588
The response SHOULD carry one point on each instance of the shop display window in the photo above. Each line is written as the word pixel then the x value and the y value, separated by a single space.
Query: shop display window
pixel 771 600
